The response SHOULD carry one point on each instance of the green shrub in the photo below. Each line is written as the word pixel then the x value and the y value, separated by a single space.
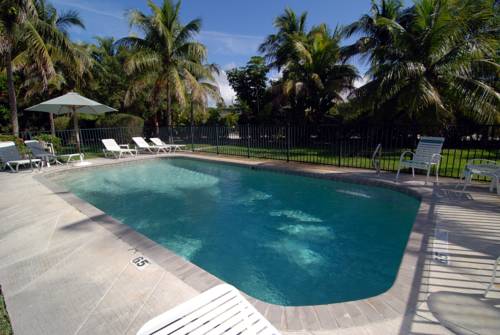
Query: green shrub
pixel 120 120
pixel 62 122
pixel 48 138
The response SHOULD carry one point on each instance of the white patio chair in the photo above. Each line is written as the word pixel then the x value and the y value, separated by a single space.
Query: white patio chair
pixel 144 146
pixel 484 168
pixel 171 147
pixel 427 155
pixel 11 158
pixel 220 310
pixel 111 147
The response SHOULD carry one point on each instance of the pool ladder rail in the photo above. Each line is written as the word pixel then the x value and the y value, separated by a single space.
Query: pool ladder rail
pixel 376 156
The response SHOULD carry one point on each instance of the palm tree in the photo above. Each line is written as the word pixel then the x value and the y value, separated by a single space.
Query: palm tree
pixel 375 36
pixel 166 61
pixel 279 47
pixel 28 41
pixel 201 89
pixel 315 79
pixel 436 63
pixel 69 61
pixel 61 21
pixel 14 18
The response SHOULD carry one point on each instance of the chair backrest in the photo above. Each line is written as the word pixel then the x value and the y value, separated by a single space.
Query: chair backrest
pixel 427 147
pixel 36 148
pixel 141 142
pixel 9 152
pixel 110 144
pixel 157 141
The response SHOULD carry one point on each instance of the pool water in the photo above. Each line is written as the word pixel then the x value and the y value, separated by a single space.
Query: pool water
pixel 281 238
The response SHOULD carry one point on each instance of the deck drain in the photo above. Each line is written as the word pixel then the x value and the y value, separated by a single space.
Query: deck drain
pixel 440 247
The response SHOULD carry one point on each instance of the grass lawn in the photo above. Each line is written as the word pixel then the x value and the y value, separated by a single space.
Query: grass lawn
pixel 453 161
pixel 5 328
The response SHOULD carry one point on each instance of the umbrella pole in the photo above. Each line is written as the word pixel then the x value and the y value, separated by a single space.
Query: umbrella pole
pixel 77 131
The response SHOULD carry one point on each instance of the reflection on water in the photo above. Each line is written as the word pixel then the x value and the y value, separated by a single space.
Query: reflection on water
pixel 184 246
pixel 307 231
pixel 251 197
pixel 296 215
pixel 356 194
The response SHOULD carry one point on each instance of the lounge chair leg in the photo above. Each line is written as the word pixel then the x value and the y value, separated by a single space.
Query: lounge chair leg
pixel 397 174
pixel 437 173
pixel 428 174
pixel 413 172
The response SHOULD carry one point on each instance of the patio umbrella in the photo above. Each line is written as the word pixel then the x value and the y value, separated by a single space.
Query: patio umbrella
pixel 72 103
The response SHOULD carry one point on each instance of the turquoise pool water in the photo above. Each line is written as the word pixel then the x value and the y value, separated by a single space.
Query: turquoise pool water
pixel 281 238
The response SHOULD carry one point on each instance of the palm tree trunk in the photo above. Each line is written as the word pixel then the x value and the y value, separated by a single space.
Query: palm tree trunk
pixel 52 125
pixel 169 115
pixel 169 111
pixel 12 96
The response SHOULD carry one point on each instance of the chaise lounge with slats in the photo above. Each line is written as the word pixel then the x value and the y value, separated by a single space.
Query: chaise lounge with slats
pixel 220 310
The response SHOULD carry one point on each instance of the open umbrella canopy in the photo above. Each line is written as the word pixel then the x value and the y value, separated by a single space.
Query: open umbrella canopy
pixel 70 103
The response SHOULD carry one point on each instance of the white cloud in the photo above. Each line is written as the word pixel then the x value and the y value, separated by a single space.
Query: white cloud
pixel 361 81
pixel 274 75
pixel 226 91
pixel 231 44
pixel 229 66
pixel 89 8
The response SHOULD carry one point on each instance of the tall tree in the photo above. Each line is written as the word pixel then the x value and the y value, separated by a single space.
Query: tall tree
pixel 70 61
pixel 166 58
pixel 435 62
pixel 250 83
pixel 14 19
pixel 279 47
pixel 315 79
pixel 26 40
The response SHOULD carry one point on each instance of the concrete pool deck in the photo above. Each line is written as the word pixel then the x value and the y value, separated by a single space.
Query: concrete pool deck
pixel 66 267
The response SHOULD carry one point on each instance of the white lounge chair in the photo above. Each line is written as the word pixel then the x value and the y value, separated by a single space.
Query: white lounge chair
pixel 220 310
pixel 171 147
pixel 111 147
pixel 427 155
pixel 144 146
pixel 482 167
pixel 10 157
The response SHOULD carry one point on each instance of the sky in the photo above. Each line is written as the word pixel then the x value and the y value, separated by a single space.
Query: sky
pixel 232 30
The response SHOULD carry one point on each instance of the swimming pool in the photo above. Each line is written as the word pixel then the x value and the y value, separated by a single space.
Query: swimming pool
pixel 284 239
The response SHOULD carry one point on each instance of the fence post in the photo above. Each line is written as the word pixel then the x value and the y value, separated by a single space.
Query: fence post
pixel 340 149
pixel 288 142
pixel 192 138
pixel 248 140
pixel 217 138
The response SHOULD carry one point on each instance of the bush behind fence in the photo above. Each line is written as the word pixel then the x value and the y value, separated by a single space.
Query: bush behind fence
pixel 331 145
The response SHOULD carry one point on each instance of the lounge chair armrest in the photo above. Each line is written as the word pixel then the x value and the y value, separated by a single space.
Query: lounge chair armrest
pixel 482 161
pixel 124 146
pixel 401 158
pixel 436 158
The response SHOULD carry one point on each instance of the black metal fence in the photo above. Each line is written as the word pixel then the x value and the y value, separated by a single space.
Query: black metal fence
pixel 331 145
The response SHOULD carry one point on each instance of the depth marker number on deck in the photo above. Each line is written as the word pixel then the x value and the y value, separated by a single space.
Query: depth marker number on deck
pixel 141 262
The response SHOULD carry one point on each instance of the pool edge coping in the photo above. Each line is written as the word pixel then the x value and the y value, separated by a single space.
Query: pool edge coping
pixel 397 301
